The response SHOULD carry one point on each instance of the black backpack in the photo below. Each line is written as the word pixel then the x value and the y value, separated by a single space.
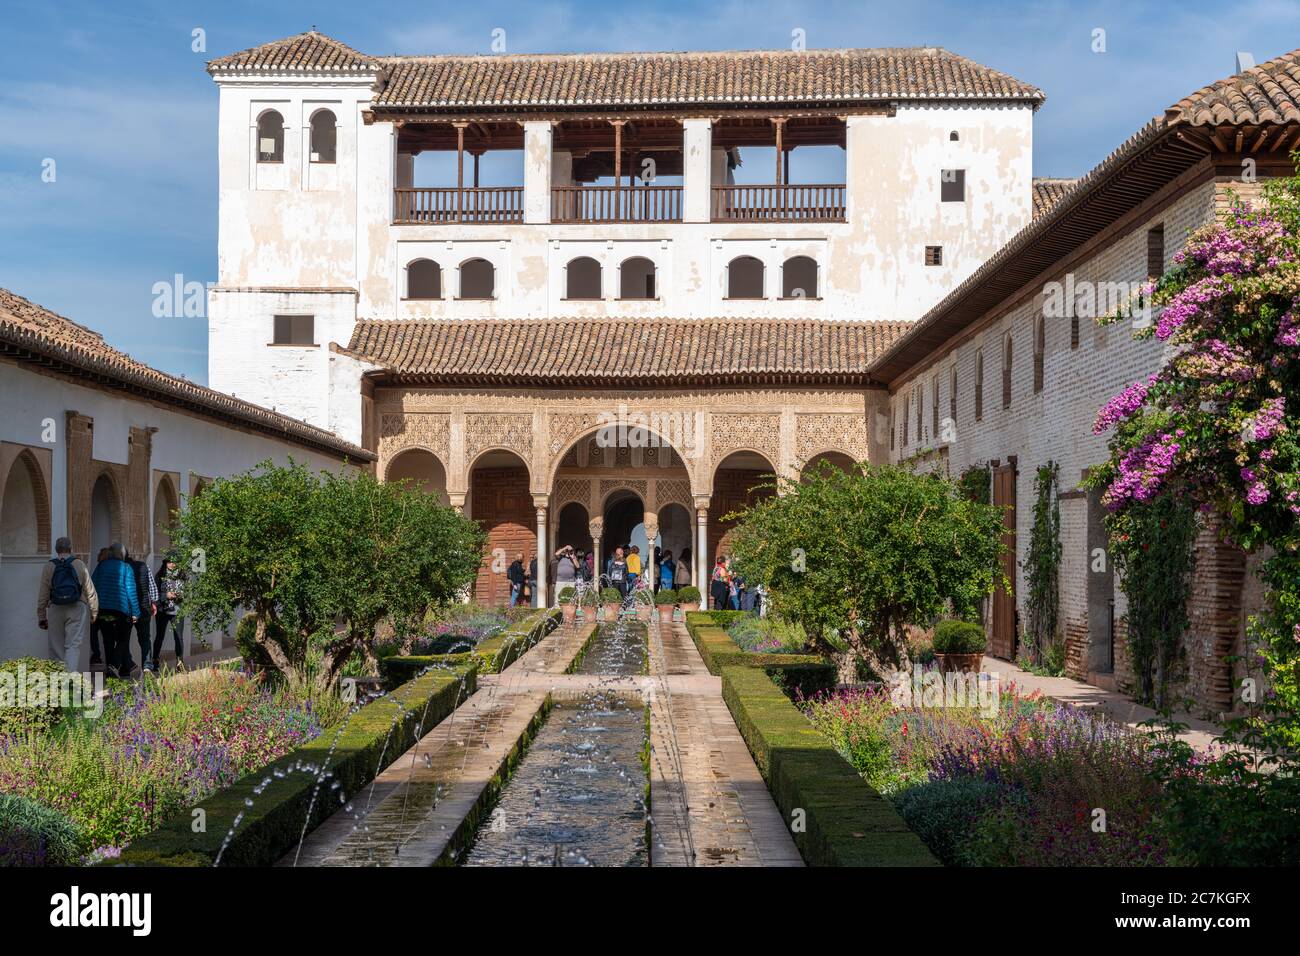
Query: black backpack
pixel 65 586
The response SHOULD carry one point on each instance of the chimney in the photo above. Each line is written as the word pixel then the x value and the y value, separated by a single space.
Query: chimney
pixel 1245 61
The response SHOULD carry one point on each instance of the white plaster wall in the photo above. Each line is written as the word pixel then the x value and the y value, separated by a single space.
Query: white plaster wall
pixel 181 444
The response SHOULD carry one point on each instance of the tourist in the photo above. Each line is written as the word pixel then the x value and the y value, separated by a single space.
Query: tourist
pixel 682 576
pixel 667 569
pixel 720 585
pixel 95 657
pixel 633 568
pixel 147 594
pixel 518 578
pixel 531 580
pixel 566 570
pixel 734 584
pixel 171 587
pixel 66 603
pixel 584 567
pixel 119 606
pixel 617 572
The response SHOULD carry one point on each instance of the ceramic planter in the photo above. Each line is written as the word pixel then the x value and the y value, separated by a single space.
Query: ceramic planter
pixel 666 613
pixel 959 663
pixel 570 611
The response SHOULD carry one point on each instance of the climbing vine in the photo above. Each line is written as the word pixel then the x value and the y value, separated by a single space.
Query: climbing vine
pixel 1042 566
pixel 975 484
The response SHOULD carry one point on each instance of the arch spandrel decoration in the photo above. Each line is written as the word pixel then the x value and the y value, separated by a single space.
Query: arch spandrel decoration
pixel 673 491
pixel 564 427
pixel 817 433
pixel 512 431
pixel 402 430
pixel 760 433
pixel 638 486
pixel 568 490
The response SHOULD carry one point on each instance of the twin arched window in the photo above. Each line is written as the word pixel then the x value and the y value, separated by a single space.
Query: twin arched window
pixel 636 279
pixel 324 137
pixel 746 279
pixel 424 279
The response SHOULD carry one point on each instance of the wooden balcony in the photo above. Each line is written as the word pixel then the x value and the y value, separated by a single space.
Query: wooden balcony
pixel 800 203
pixel 484 204
pixel 612 204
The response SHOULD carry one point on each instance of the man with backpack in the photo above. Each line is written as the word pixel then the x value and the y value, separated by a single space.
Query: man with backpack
pixel 66 604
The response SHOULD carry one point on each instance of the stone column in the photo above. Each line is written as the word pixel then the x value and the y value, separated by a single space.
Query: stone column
pixel 702 549
pixel 697 162
pixel 648 567
pixel 543 558
pixel 537 171
pixel 596 526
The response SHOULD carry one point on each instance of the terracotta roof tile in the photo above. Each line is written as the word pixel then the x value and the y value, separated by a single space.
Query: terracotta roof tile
pixel 1265 94
pixel 1048 191
pixel 626 352
pixel 31 333
pixel 628 79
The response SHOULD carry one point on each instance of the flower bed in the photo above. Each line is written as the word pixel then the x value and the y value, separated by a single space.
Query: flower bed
pixel 156 750
pixel 1034 784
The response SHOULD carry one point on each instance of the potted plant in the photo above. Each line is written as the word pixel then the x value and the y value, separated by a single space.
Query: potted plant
pixel 666 601
pixel 959 646
pixel 688 598
pixel 610 601
pixel 642 601
pixel 587 601
pixel 568 604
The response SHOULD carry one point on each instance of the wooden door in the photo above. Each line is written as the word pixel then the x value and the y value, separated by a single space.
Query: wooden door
pixel 1002 639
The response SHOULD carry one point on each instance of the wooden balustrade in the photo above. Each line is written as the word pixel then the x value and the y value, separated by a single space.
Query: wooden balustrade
pixel 611 204
pixel 777 203
pixel 483 204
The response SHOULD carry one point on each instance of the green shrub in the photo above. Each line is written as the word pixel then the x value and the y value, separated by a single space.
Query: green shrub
pixel 31 834
pixel 610 596
pixel 23 719
pixel 566 595
pixel 689 594
pixel 944 813
pixel 959 637
pixel 666 596
pixel 796 674
pixel 845 821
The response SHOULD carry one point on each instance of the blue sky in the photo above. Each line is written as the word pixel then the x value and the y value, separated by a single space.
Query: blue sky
pixel 113 93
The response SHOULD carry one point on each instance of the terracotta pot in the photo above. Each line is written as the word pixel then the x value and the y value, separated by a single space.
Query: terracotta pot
pixel 688 608
pixel 960 663
pixel 643 612
pixel 570 611
pixel 610 611
pixel 666 613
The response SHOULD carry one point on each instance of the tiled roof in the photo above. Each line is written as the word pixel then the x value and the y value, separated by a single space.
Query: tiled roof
pixel 623 352
pixel 1154 155
pixel 34 334
pixel 1264 94
pixel 643 79
pixel 1048 191
pixel 309 51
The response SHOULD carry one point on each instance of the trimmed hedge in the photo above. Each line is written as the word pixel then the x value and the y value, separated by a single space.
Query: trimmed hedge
pixel 803 673
pixel 846 822
pixel 372 738
pixel 493 654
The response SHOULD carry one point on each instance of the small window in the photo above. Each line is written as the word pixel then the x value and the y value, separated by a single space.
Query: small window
pixel 270 137
pixel 1074 329
pixel 891 429
pixel 799 278
pixel 1040 348
pixel 423 280
pixel 952 185
pixel 582 278
pixel 745 278
pixel 907 412
pixel 919 393
pixel 953 137
pixel 477 279
pixel 1156 251
pixel 952 394
pixel 934 408
pixel 979 385
pixel 324 136
pixel 636 279
pixel 934 255
pixel 294 330
pixel 1006 372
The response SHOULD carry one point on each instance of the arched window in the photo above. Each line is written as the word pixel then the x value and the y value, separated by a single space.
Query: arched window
pixel 636 278
pixel 799 278
pixel 582 278
pixel 1040 348
pixel 745 278
pixel 423 280
pixel 1006 371
pixel 24 510
pixel 953 136
pixel 270 137
pixel 979 385
pixel 324 137
pixel 477 279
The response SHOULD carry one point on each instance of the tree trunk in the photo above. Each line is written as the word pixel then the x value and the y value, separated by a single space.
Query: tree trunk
pixel 272 648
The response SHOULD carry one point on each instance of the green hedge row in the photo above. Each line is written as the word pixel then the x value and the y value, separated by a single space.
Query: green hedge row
pixel 493 654
pixel 845 822
pixel 372 738
pixel 803 673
